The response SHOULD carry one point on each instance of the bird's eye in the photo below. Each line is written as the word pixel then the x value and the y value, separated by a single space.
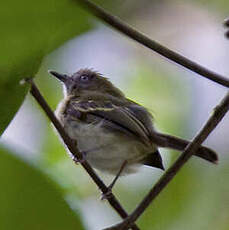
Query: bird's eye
pixel 74 87
pixel 84 78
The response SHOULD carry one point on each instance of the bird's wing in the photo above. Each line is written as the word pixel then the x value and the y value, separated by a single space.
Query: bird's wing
pixel 116 117
pixel 142 115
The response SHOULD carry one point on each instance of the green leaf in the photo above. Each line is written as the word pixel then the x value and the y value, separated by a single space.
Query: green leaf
pixel 29 31
pixel 29 200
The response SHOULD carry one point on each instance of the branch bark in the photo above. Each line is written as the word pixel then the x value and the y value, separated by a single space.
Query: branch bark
pixel 123 27
pixel 72 146
pixel 217 115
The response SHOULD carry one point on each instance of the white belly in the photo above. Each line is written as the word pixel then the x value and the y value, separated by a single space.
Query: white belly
pixel 106 151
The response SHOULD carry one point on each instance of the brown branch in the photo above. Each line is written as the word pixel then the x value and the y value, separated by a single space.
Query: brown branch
pixel 123 27
pixel 217 115
pixel 72 146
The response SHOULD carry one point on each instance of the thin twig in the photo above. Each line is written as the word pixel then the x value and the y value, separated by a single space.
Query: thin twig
pixel 217 115
pixel 72 146
pixel 153 45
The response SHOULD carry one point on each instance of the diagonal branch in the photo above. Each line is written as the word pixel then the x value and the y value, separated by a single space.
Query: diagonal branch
pixel 153 45
pixel 217 115
pixel 72 146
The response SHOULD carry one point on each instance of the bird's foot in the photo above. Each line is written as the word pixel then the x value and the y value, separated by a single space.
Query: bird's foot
pixel 82 160
pixel 107 195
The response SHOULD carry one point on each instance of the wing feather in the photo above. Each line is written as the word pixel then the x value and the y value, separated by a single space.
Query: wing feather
pixel 118 115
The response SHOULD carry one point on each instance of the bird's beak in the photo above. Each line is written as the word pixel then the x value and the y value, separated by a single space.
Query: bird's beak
pixel 59 76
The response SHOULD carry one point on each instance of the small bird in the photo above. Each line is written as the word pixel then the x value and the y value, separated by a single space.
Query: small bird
pixel 114 134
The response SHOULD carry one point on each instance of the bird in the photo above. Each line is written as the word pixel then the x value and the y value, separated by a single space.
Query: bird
pixel 114 134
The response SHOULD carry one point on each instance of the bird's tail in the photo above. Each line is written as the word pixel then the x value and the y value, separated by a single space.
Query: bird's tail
pixel 168 141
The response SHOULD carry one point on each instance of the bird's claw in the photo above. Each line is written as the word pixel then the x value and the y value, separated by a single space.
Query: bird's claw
pixel 82 160
pixel 107 195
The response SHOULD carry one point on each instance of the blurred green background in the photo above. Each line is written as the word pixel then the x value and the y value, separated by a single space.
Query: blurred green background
pixel 41 188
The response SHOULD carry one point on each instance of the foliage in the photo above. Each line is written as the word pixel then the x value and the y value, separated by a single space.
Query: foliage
pixel 29 200
pixel 29 31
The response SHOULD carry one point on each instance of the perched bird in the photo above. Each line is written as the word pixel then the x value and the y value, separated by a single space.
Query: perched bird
pixel 114 134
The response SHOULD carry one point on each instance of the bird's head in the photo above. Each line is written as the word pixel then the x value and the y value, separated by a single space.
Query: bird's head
pixel 85 81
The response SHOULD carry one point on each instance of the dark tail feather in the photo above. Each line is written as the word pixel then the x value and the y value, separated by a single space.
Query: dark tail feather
pixel 180 144
pixel 154 160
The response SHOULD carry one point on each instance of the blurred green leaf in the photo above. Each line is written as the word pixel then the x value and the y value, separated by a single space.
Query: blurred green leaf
pixel 30 30
pixel 29 200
